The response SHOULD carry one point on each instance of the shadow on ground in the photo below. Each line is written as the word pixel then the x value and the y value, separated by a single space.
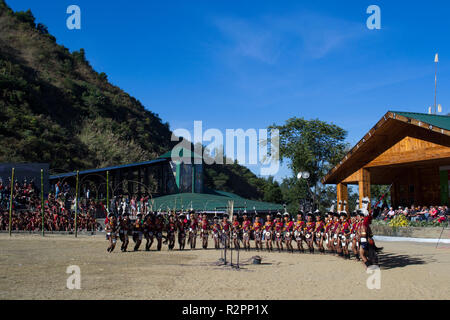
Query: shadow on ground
pixel 391 261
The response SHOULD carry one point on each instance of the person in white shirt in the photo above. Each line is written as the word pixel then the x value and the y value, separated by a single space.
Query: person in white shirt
pixel 391 213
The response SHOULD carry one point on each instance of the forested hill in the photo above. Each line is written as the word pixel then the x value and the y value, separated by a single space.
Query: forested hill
pixel 55 108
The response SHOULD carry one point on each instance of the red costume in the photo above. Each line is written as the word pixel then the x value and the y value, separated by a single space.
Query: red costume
pixel 289 226
pixel 246 225
pixel 268 226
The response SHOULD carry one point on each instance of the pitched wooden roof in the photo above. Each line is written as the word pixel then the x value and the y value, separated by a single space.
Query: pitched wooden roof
pixel 389 130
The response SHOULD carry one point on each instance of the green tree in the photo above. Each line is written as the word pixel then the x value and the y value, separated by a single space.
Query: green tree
pixel 42 28
pixel 314 146
pixel 293 191
pixel 272 191
pixel 26 17
pixel 377 191
pixel 102 76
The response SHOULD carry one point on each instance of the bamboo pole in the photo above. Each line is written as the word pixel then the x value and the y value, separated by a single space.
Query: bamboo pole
pixel 76 205
pixel 42 199
pixel 10 201
pixel 107 191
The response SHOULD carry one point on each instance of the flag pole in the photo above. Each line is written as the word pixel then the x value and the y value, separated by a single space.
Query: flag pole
pixel 436 60
pixel 42 199
pixel 11 201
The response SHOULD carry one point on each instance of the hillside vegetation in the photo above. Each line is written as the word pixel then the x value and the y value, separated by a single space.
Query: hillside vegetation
pixel 55 108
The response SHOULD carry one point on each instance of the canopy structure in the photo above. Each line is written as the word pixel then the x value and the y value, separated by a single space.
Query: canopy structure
pixel 132 178
pixel 409 150
pixel 213 201
pixel 174 181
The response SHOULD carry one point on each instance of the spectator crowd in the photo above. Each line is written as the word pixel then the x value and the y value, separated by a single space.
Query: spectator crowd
pixel 59 210
pixel 433 214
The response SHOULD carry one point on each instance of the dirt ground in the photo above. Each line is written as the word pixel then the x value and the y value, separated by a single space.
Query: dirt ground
pixel 33 267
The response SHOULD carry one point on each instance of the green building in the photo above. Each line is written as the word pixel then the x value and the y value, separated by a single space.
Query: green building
pixel 174 181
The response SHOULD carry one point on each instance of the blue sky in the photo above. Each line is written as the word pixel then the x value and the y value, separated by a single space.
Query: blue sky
pixel 249 64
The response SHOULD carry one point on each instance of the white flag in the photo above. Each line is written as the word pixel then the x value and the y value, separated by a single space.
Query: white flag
pixel 436 58
pixel 439 108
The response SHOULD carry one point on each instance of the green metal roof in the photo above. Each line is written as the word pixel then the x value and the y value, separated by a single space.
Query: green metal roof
pixel 439 121
pixel 181 153
pixel 99 170
pixel 211 202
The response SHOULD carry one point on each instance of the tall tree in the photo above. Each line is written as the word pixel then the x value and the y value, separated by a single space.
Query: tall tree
pixel 314 146
pixel 272 191
pixel 294 192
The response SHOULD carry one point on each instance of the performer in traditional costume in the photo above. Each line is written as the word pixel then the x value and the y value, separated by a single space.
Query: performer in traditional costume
pixel 309 232
pixel 246 229
pixel 278 230
pixel 335 233
pixel 216 232
pixel 159 227
pixel 327 231
pixel 149 231
pixel 367 248
pixel 171 228
pixel 236 230
pixel 204 231
pixel 225 227
pixel 138 229
pixel 257 233
pixel 319 232
pixel 193 225
pixel 355 223
pixel 111 232
pixel 181 227
pixel 338 246
pixel 363 235
pixel 288 232
pixel 345 232
pixel 299 227
pixel 268 232
pixel 124 229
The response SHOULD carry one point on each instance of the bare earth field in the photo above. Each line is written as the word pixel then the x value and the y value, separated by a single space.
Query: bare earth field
pixel 33 267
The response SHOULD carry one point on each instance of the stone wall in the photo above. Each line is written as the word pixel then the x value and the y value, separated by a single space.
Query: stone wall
pixel 412 232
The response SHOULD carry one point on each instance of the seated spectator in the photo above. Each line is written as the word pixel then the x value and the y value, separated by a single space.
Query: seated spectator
pixel 433 212
pixel 406 212
pixel 424 214
pixel 413 216
pixel 391 213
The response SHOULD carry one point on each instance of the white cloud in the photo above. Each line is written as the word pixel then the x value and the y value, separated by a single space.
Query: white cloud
pixel 269 39
pixel 249 40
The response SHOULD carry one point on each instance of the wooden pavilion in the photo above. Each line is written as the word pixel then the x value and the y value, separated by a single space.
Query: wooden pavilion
pixel 409 150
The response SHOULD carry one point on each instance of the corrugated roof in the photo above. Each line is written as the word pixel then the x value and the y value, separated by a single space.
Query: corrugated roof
pixel 439 121
pixel 137 164
pixel 210 202
pixel 181 153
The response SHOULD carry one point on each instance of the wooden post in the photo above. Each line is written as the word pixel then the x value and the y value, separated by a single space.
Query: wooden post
pixel 364 186
pixel 342 195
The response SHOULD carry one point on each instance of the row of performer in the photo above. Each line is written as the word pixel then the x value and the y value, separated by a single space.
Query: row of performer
pixel 336 233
